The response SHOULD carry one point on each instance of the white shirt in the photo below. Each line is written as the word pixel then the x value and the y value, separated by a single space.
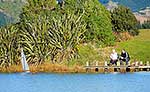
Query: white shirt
pixel 114 56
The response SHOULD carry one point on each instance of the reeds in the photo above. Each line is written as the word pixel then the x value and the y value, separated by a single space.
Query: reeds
pixel 46 67
pixel 11 69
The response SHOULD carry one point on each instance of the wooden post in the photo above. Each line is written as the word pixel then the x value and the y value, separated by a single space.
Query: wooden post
pixel 147 64
pixel 96 63
pixel 106 63
pixel 136 63
pixel 118 63
pixel 129 63
pixel 141 64
pixel 87 63
pixel 105 67
pixel 136 66
pixel 87 66
pixel 118 69
pixel 96 69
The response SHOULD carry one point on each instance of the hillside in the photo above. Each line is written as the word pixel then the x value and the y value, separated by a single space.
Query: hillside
pixel 4 19
pixel 134 5
pixel 10 11
pixel 138 47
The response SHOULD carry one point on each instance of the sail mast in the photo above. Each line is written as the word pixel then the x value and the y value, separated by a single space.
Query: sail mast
pixel 24 63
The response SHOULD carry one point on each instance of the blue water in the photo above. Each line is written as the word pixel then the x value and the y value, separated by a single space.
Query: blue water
pixel 136 82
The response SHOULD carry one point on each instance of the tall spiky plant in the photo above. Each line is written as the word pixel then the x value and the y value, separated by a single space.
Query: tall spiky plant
pixel 33 38
pixel 8 46
pixel 65 34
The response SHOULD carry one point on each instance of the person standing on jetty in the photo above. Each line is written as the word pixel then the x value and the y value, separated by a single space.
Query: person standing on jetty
pixel 124 57
pixel 113 57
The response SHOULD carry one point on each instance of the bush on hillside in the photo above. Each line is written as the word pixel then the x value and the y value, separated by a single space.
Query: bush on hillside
pixel 146 25
pixel 122 36
pixel 123 20
pixel 99 27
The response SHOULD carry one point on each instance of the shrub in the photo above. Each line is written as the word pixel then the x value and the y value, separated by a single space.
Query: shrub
pixel 122 36
pixel 123 20
pixel 146 25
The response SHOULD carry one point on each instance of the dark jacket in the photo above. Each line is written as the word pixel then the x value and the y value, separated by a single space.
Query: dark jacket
pixel 125 56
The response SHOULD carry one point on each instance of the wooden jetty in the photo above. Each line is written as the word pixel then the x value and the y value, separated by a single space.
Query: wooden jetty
pixel 136 67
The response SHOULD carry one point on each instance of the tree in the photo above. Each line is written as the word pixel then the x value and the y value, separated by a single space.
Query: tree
pixel 98 23
pixel 146 25
pixel 124 20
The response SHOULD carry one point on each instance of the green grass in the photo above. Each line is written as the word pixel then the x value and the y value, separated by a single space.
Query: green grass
pixel 138 47
pixel 87 53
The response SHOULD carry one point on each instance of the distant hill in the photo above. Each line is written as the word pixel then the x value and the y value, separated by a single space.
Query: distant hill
pixel 134 5
pixel 5 19
pixel 12 8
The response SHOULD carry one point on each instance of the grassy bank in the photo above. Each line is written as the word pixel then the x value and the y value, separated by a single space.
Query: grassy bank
pixel 138 47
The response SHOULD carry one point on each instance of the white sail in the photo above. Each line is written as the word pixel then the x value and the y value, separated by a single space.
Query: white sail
pixel 24 63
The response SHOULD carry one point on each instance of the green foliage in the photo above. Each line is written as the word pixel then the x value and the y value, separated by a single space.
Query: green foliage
pixel 69 30
pixel 37 8
pixel 124 20
pixel 8 46
pixel 138 47
pixel 146 25
pixel 87 53
pixel 50 28
pixel 99 27
pixel 57 38
pixel 98 23
pixel 33 38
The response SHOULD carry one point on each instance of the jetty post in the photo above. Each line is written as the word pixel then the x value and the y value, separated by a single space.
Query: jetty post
pixel 87 66
pixel 118 68
pixel 96 69
pixel 105 67
pixel 136 66
pixel 141 64
pixel 147 64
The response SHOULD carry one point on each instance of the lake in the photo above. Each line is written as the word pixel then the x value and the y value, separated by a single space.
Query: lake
pixel 42 82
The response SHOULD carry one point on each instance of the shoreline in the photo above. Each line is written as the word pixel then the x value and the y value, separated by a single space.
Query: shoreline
pixel 62 69
pixel 44 68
